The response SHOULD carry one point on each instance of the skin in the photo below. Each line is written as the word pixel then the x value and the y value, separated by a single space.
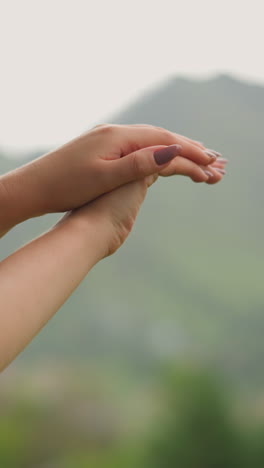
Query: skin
pixel 93 164
pixel 86 234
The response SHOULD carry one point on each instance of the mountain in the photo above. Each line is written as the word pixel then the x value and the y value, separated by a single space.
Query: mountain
pixel 188 283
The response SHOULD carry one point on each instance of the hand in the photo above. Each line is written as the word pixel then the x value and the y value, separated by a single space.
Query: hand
pixel 93 164
pixel 82 238
pixel 114 213
pixel 65 253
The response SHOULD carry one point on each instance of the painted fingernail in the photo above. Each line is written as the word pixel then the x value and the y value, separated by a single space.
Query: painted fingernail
pixel 208 173
pixel 223 160
pixel 165 155
pixel 214 152
pixel 222 171
pixel 211 154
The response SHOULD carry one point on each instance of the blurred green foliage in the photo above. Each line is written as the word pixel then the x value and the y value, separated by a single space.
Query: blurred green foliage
pixel 192 425
pixel 198 431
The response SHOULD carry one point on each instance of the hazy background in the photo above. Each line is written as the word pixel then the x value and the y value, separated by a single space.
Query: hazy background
pixel 157 359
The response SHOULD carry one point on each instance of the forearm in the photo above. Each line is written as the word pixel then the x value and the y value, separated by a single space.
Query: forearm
pixel 37 279
pixel 19 197
pixel 44 185
pixel 32 190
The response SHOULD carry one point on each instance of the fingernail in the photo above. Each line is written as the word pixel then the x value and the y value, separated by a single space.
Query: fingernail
pixel 223 160
pixel 222 171
pixel 165 155
pixel 211 154
pixel 214 152
pixel 208 173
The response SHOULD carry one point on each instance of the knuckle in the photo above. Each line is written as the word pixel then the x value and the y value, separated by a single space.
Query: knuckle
pixel 162 129
pixel 127 226
pixel 151 127
pixel 121 230
pixel 151 179
pixel 106 129
pixel 170 138
pixel 99 125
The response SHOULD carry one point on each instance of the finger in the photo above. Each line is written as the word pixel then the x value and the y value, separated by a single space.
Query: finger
pixel 220 162
pixel 190 140
pixel 217 175
pixel 198 155
pixel 136 137
pixel 216 164
pixel 178 136
pixel 137 165
pixel 185 167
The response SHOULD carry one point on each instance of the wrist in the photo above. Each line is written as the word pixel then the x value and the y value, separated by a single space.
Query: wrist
pixel 90 231
pixel 19 197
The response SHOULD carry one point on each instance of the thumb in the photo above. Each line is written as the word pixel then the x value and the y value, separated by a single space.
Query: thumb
pixel 141 163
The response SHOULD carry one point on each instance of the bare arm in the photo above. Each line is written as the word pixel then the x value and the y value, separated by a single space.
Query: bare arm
pixel 37 279
pixel 92 164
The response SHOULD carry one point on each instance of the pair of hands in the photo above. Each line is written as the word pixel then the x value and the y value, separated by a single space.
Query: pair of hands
pixel 106 171
pixel 100 179
pixel 124 181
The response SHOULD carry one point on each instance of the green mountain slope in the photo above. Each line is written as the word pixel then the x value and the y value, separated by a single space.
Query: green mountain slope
pixel 189 281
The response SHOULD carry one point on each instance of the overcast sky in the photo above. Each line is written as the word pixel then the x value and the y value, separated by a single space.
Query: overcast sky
pixel 69 64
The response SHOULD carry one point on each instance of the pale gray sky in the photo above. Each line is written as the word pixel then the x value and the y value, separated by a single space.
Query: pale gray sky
pixel 67 64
